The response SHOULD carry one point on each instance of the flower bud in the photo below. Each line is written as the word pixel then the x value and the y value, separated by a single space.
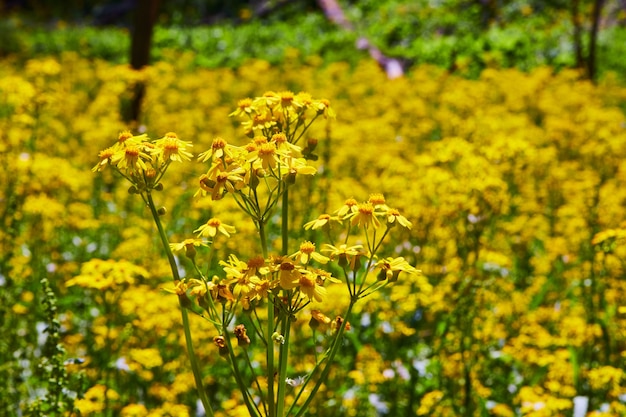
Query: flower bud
pixel 161 211
pixel 311 144
pixel 158 187
pixel 242 337
pixel 278 338
pixel 133 190
pixel 222 347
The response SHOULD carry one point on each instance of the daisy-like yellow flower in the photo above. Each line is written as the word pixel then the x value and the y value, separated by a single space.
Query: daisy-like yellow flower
pixel 105 159
pixel 244 108
pixel 225 181
pixel 345 255
pixel 126 138
pixel 322 106
pixel 170 148
pixel 349 206
pixel 390 268
pixel 378 201
pixel 269 99
pixel 307 252
pixel 266 153
pixel 321 221
pixel 131 159
pixel 292 277
pixel 189 245
pixel 310 287
pixel 297 166
pixel 394 217
pixel 219 149
pixel 214 226
pixel 365 216
pixel 288 274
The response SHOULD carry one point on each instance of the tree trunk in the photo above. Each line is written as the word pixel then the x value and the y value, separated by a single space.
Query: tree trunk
pixel 578 41
pixel 145 16
pixel 593 39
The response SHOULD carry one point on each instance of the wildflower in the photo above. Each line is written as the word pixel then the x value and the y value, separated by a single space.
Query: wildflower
pixel 318 318
pixel 309 286
pixel 189 246
pixel 378 201
pixel 323 107
pixel 307 252
pixel 131 159
pixel 225 181
pixel 347 255
pixel 349 206
pixel 321 221
pixel 219 149
pixel 269 100
pixel 105 158
pixel 244 108
pixel 289 274
pixel 170 148
pixel 212 227
pixel 267 154
pixel 364 216
pixel 298 166
pixel 127 138
pixel 390 268
pixel 394 217
pixel 237 272
pixel 338 322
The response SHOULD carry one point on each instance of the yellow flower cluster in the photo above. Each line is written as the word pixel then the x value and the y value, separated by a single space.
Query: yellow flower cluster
pixel 514 195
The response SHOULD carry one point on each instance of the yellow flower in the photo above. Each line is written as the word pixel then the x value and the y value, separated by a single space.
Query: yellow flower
pixel 349 206
pixel 307 252
pixel 131 159
pixel 305 281
pixel 378 201
pixel 364 216
pixel 390 268
pixel 189 245
pixel 346 255
pixel 394 217
pixel 105 158
pixel 244 108
pixel 214 226
pixel 219 149
pixel 321 221
pixel 170 148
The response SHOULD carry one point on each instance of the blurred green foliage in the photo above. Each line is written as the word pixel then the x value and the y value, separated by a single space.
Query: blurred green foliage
pixel 461 35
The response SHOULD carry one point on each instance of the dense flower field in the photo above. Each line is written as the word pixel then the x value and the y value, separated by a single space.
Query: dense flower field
pixel 515 185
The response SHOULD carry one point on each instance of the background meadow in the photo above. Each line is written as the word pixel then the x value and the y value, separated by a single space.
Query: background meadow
pixel 514 180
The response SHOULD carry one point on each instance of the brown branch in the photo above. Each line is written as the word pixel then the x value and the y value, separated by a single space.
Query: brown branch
pixel 334 13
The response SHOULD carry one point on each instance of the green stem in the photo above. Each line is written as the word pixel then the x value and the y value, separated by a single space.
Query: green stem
pixel 247 397
pixel 195 367
pixel 329 361
pixel 285 222
pixel 283 359
pixel 271 405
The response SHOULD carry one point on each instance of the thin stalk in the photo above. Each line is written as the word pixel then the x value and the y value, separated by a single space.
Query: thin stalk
pixel 285 222
pixel 271 405
pixel 247 397
pixel 195 367
pixel 282 372
pixel 329 361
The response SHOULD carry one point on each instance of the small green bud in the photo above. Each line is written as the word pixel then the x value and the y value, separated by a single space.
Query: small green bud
pixel 161 211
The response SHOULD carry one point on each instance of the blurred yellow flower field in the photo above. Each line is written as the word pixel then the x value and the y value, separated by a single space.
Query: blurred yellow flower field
pixel 512 189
